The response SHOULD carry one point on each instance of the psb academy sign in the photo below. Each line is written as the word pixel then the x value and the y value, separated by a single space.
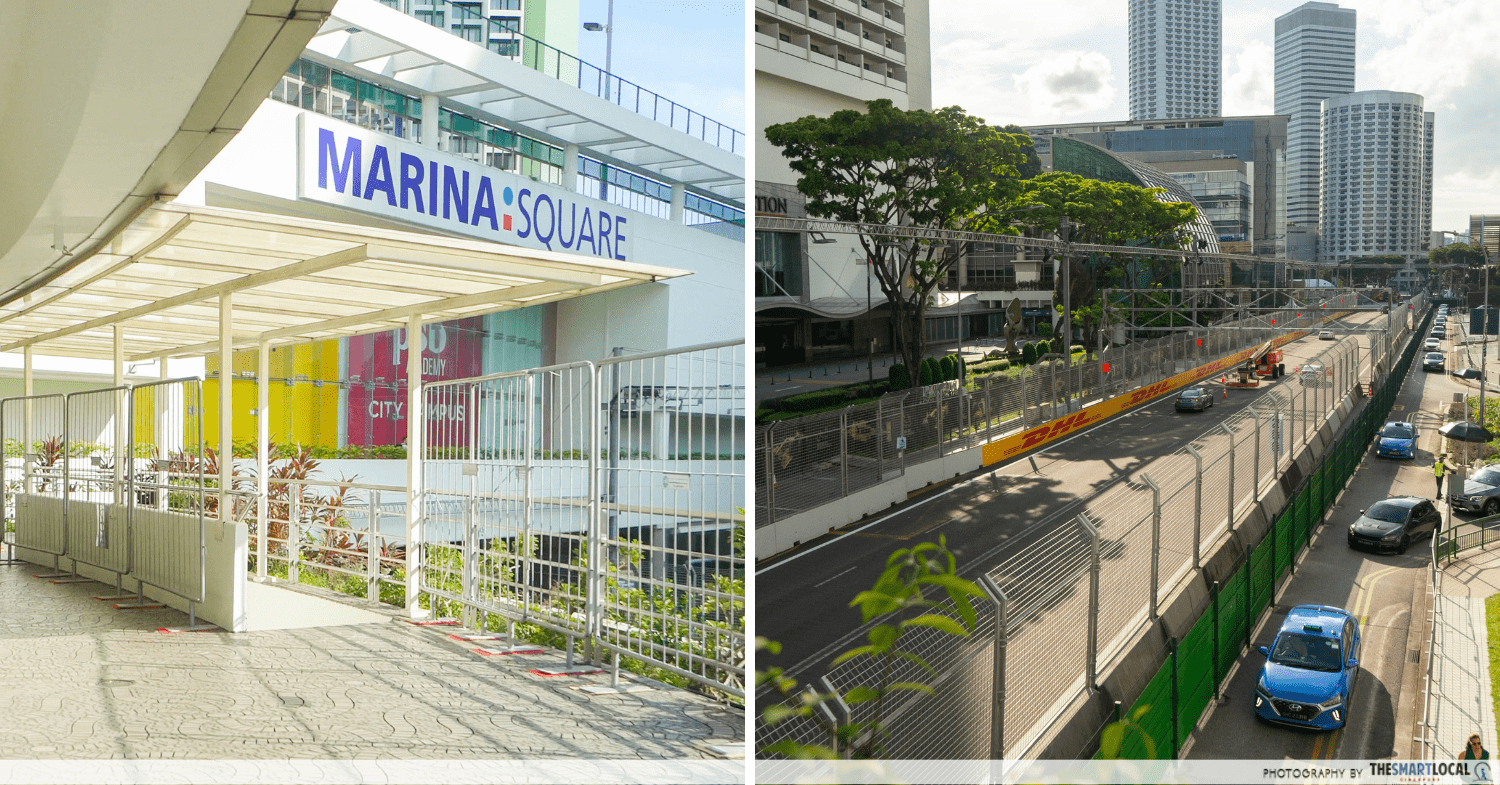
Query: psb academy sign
pixel 376 173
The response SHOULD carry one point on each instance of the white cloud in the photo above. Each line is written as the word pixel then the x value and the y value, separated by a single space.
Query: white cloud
pixel 1068 84
pixel 1038 63
pixel 1249 80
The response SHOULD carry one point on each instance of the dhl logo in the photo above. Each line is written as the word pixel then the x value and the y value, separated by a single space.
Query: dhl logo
pixel 1005 448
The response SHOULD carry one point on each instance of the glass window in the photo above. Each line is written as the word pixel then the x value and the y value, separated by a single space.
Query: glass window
pixel 778 262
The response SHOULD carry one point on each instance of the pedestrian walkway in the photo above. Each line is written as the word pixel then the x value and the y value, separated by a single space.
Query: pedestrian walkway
pixel 1461 699
pixel 809 377
pixel 84 680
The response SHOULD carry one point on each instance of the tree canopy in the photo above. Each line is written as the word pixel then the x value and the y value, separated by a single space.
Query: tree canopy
pixel 940 170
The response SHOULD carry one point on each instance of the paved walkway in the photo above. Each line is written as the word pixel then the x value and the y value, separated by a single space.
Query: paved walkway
pixel 1462 697
pixel 81 680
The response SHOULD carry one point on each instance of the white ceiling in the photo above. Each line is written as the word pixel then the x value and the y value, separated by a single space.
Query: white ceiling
pixel 114 102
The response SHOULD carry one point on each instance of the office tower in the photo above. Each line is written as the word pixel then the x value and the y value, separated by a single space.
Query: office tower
pixel 1314 60
pixel 1376 176
pixel 500 24
pixel 1175 59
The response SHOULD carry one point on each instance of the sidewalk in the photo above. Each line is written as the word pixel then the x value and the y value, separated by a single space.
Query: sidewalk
pixel 85 681
pixel 1462 699
pixel 808 377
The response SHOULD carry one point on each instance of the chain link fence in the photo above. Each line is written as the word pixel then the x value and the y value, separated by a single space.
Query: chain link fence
pixel 1068 602
pixel 807 462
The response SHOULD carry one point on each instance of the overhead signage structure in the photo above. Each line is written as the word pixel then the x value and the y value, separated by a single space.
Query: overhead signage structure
pixel 373 172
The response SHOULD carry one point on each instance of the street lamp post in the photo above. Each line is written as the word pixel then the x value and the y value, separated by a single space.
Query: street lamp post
pixel 1066 226
pixel 609 43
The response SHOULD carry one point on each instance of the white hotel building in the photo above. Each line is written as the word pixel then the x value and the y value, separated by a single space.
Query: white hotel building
pixel 816 57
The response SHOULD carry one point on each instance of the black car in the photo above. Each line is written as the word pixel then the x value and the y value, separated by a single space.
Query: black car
pixel 1394 524
pixel 1194 399
pixel 1432 361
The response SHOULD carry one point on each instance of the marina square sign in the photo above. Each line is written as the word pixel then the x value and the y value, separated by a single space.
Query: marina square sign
pixel 376 173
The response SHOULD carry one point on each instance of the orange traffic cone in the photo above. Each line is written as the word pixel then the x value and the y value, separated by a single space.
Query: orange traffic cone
pixel 1226 392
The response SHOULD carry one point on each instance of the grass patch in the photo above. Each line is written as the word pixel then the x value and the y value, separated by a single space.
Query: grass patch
pixel 1492 623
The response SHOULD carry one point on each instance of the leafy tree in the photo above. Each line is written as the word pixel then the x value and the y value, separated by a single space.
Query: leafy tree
pixel 1105 213
pixel 1029 354
pixel 896 598
pixel 899 377
pixel 885 166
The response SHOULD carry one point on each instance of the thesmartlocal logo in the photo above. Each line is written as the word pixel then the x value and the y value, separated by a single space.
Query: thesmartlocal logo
pixel 371 172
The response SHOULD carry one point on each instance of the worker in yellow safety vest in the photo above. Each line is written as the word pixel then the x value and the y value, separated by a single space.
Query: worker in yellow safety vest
pixel 1438 469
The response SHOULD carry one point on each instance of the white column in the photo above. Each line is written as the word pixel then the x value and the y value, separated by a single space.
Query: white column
pixel 679 195
pixel 262 452
pixel 570 167
pixel 431 121
pixel 28 388
pixel 226 404
pixel 415 426
pixel 122 448
pixel 162 405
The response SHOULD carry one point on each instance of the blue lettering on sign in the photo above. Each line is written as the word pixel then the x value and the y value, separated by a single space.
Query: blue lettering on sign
pixel 521 205
pixel 484 203
pixel 380 176
pixel 411 183
pixel 468 200
pixel 346 171
pixel 550 223
pixel 586 232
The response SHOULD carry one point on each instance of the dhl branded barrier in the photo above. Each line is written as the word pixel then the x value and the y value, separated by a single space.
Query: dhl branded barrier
pixel 1011 446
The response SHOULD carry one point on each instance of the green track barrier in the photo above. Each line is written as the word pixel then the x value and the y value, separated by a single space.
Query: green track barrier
pixel 1190 676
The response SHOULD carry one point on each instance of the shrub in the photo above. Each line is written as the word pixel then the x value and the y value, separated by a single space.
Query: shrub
pixel 1043 329
pixel 963 367
pixel 925 376
pixel 946 368
pixel 1043 348
pixel 899 377
pixel 1028 354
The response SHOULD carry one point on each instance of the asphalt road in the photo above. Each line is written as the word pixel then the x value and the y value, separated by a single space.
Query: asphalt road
pixel 1381 589
pixel 802 598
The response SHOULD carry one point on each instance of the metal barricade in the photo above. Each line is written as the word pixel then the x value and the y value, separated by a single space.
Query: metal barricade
pixel 173 482
pixel 673 585
pixel 509 496
pixel 98 472
pixel 33 430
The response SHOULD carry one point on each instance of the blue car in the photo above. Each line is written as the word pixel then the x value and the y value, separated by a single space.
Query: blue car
pixel 1310 669
pixel 1397 440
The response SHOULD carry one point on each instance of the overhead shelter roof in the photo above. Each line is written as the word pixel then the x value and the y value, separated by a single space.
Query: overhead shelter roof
pixel 291 280
pixel 107 105
pixel 404 53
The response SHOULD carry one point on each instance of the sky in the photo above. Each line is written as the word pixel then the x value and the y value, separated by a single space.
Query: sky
pixel 1066 61
pixel 690 51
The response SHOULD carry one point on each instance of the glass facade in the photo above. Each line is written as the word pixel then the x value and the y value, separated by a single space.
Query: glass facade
pixel 778 264
pixel 1081 158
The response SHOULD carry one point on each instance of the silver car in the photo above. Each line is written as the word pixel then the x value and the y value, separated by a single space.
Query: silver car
pixel 1481 492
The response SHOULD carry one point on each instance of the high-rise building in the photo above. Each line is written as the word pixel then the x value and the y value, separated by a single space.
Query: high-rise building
pixel 1376 176
pixel 1485 229
pixel 1314 61
pixel 817 57
pixel 503 25
pixel 1175 56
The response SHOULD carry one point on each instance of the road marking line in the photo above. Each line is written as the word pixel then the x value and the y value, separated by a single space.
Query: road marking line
pixel 1317 748
pixel 1333 744
pixel 830 580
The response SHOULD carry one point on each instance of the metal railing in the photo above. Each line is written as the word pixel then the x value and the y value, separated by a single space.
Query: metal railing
pixel 589 78
pixel 810 461
pixel 602 502
pixel 1075 597
pixel 112 478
